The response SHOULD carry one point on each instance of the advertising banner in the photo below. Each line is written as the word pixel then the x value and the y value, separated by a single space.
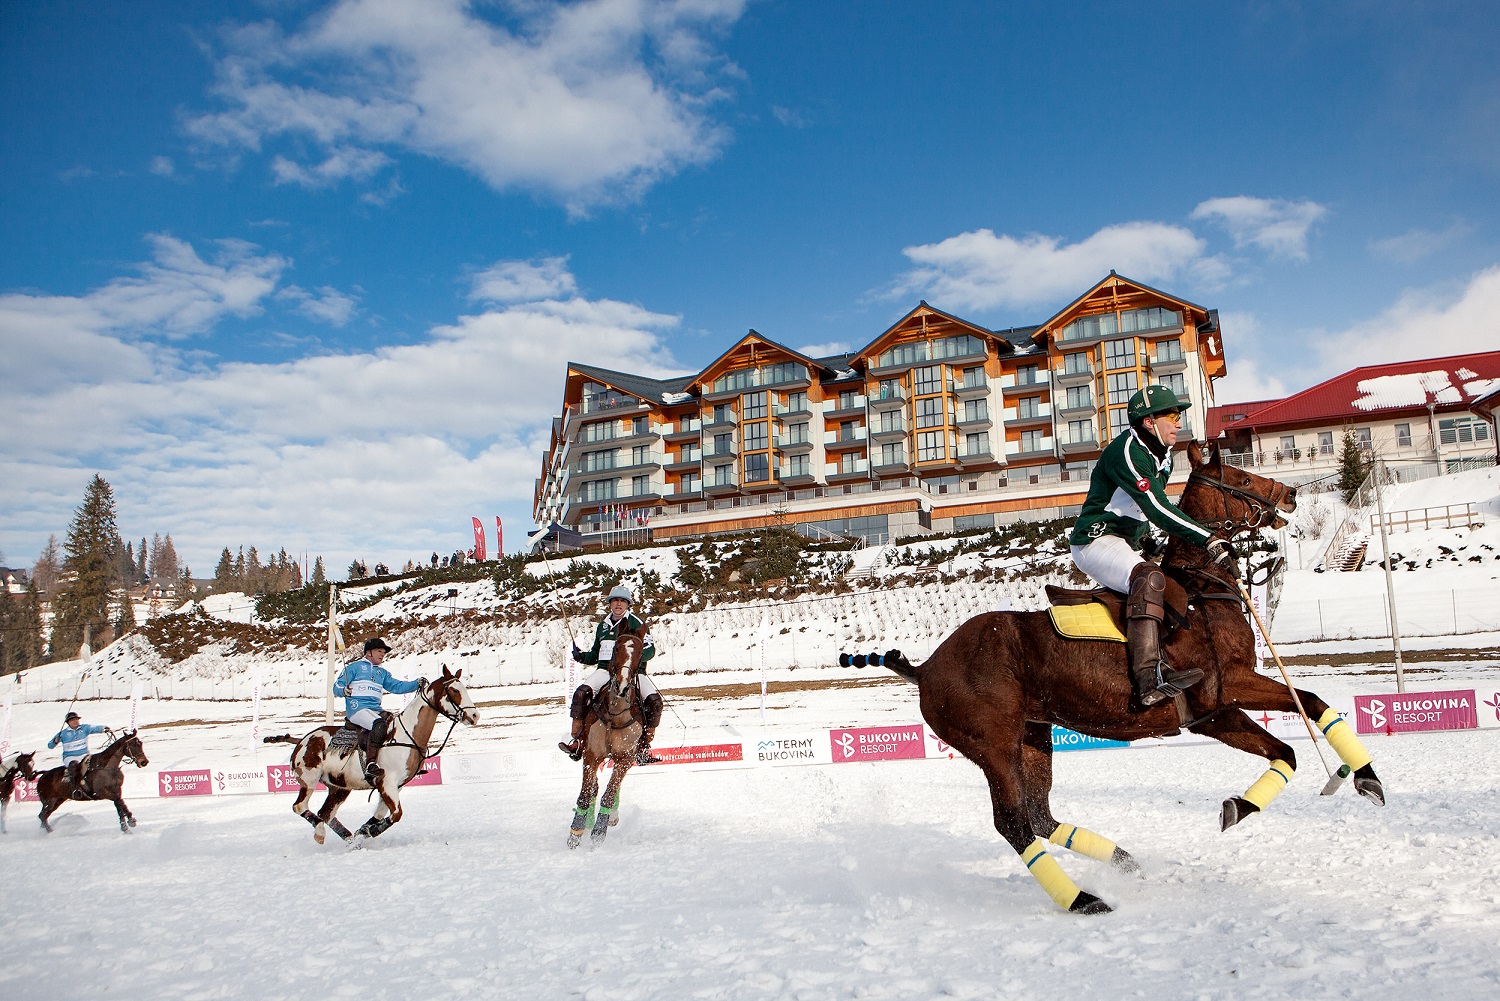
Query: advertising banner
pixel 431 774
pixel 1411 712
pixel 700 754
pixel 1064 739
pixel 236 779
pixel 191 782
pixel 281 778
pixel 789 749
pixel 1488 708
pixel 24 792
pixel 877 743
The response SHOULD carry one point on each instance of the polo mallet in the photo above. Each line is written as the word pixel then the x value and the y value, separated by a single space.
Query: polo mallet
pixel 1335 778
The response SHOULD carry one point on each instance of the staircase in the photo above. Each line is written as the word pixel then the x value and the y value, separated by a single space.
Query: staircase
pixel 869 562
pixel 1350 554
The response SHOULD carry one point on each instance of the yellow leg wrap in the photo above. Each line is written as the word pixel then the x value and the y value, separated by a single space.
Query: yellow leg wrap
pixel 1269 785
pixel 1086 843
pixel 1342 739
pixel 1045 870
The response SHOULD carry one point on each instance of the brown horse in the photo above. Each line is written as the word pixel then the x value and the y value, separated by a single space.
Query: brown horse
pixel 102 778
pixel 994 688
pixel 14 767
pixel 612 732
pixel 341 770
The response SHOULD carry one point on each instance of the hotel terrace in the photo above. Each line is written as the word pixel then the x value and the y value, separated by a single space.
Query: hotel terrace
pixel 938 424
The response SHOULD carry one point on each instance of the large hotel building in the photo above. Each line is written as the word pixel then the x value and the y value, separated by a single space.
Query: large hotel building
pixel 938 424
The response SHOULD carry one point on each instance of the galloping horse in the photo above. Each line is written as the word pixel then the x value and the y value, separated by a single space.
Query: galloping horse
pixel 340 768
pixel 15 766
pixel 102 778
pixel 612 730
pixel 995 686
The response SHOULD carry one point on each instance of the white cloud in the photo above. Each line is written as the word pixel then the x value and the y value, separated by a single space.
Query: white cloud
pixel 1246 380
pixel 979 270
pixel 825 350
pixel 1428 323
pixel 1415 244
pixel 524 281
pixel 1278 227
pixel 328 305
pixel 589 101
pixel 162 166
pixel 380 454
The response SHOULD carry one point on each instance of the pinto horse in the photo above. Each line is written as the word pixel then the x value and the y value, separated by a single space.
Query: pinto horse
pixel 15 766
pixel 994 688
pixel 612 731
pixel 102 778
pixel 342 771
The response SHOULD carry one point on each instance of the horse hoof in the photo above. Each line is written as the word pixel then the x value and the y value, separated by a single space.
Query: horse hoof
pixel 574 840
pixel 320 833
pixel 1124 861
pixel 130 821
pixel 1087 903
pixel 1235 810
pixel 1368 786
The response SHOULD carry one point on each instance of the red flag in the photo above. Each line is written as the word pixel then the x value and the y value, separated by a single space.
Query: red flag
pixel 499 538
pixel 478 540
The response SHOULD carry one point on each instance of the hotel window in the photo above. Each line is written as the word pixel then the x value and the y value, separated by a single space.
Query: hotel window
pixel 1151 318
pixel 796 403
pixel 1122 386
pixel 1120 353
pixel 757 468
pixel 785 372
pixel 1031 441
pixel 755 436
pixel 1170 350
pixel 689 452
pixel 892 420
pixel 976 410
pixel 1403 435
pixel 977 444
pixel 640 485
pixel 893 455
pixel 797 434
pixel 1089 326
pixel 1027 375
pixel 690 483
pixel 641 425
pixel 890 389
pixel 723 444
pixel 974 378
pixel 1028 407
pixel 640 455
pixel 598 490
pixel 723 413
pixel 1080 431
pixel 1077 362
pixel 742 379
pixel 1176 382
pixel 1119 420
pixel 723 476
pixel 848 399
pixel 755 406
pixel 799 465
pixel 600 431
pixel 929 379
pixel 599 460
pixel 930 446
pixel 1079 397
pixel 930 412
pixel 954 347
pixel 903 354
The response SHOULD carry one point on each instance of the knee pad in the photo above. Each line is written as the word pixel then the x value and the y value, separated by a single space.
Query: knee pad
pixel 582 696
pixel 651 710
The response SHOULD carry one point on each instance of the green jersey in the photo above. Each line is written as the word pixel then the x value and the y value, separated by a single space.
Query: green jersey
pixel 607 631
pixel 1127 494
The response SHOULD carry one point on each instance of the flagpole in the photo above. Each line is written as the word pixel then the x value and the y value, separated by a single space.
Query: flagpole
pixel 332 654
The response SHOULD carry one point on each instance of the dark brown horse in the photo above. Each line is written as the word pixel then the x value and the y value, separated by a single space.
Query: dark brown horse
pixel 12 769
pixel 612 731
pixel 102 779
pixel 994 688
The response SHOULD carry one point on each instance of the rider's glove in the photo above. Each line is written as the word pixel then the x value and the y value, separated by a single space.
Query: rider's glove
pixel 577 653
pixel 1150 546
pixel 422 683
pixel 1223 555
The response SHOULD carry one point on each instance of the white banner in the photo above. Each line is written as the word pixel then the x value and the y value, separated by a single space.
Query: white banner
pixel 135 704
pixel 255 709
pixel 5 729
pixel 765 631
pixel 1258 599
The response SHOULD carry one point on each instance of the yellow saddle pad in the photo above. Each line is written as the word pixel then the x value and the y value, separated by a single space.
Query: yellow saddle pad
pixel 1085 622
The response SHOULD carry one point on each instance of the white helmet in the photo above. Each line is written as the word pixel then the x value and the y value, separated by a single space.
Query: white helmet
pixel 623 592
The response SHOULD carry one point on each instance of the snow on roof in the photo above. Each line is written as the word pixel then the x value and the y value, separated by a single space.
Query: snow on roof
pixel 674 398
pixel 1409 390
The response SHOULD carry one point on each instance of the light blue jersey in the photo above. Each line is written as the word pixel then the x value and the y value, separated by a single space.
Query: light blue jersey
pixel 75 741
pixel 361 684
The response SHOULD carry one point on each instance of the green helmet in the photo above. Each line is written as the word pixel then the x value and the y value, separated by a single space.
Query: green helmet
pixel 1154 400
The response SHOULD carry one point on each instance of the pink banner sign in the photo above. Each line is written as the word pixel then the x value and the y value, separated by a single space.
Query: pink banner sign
pixel 699 754
pixel 195 782
pixel 1415 711
pixel 282 778
pixel 25 792
pixel 479 553
pixel 431 775
pixel 878 743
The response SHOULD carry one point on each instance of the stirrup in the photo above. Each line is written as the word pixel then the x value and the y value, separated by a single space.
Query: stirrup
pixel 643 756
pixel 572 748
pixel 1169 685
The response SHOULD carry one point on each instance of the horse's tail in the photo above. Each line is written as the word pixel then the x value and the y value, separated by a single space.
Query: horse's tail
pixel 895 660
pixel 280 738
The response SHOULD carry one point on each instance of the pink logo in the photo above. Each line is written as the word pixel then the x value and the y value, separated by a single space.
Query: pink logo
pixel 1415 711
pixel 878 743
pixel 25 792
pixel 197 782
pixel 282 778
pixel 1494 703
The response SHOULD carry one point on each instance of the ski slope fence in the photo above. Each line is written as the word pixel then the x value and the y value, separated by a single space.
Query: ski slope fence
pixel 1419 613
pixel 1380 713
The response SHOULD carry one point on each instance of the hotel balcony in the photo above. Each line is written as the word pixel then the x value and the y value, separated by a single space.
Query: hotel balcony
pixel 888 397
pixel 1168 365
pixel 1071 444
pixel 683 429
pixel 836 408
pixel 846 438
pixel 848 470
pixel 1041 414
pixel 720 420
pixel 723 483
pixel 968 389
pixel 720 450
pixel 887 430
pixel 792 443
pixel 1010 386
pixel 1075 377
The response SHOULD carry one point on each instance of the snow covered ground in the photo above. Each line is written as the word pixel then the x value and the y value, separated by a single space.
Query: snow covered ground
pixel 824 881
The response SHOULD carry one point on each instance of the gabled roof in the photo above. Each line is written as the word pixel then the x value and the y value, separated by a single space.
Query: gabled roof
pixel 873 348
pixel 1113 281
pixel 753 337
pixel 635 385
pixel 1230 415
pixel 1382 390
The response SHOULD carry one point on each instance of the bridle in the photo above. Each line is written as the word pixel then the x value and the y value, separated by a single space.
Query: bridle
pixel 1266 508
pixel 453 720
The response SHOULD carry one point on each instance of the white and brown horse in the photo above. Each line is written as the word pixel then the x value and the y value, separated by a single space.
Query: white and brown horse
pixel 612 732
pixel 14 768
pixel 342 771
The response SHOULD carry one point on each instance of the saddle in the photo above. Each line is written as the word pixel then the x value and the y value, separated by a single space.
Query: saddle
pixel 350 737
pixel 80 790
pixel 1099 614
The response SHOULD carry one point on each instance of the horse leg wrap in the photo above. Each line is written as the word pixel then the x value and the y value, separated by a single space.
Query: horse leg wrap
pixel 1045 870
pixel 1342 739
pixel 1086 843
pixel 1269 785
pixel 310 817
pixel 339 829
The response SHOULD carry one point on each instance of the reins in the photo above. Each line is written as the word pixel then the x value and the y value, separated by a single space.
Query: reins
pixel 453 722
pixel 1265 507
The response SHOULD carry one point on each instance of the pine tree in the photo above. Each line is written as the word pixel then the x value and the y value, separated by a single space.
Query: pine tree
pixel 48 567
pixel 140 563
pixel 127 565
pixel 224 573
pixel 164 562
pixel 1353 467
pixel 186 589
pixel 88 572
pixel 125 621
pixel 319 576
pixel 25 643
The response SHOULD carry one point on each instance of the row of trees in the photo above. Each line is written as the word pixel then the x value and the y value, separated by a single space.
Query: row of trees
pixel 244 572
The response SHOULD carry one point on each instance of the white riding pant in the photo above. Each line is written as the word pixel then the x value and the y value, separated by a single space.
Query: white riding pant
pixel 1109 560
pixel 364 718
pixel 599 677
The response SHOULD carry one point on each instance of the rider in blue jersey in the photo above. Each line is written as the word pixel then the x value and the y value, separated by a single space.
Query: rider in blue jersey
pixel 361 684
pixel 74 738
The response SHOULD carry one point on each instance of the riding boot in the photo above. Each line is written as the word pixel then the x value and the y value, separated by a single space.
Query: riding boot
pixel 1152 680
pixel 650 718
pixel 75 780
pixel 573 747
pixel 374 741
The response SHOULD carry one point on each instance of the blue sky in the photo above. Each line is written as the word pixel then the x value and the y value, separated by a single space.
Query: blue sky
pixel 306 274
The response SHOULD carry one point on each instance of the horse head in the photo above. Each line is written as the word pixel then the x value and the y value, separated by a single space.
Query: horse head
pixel 450 696
pixel 1229 499
pixel 625 664
pixel 133 750
pixel 24 765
